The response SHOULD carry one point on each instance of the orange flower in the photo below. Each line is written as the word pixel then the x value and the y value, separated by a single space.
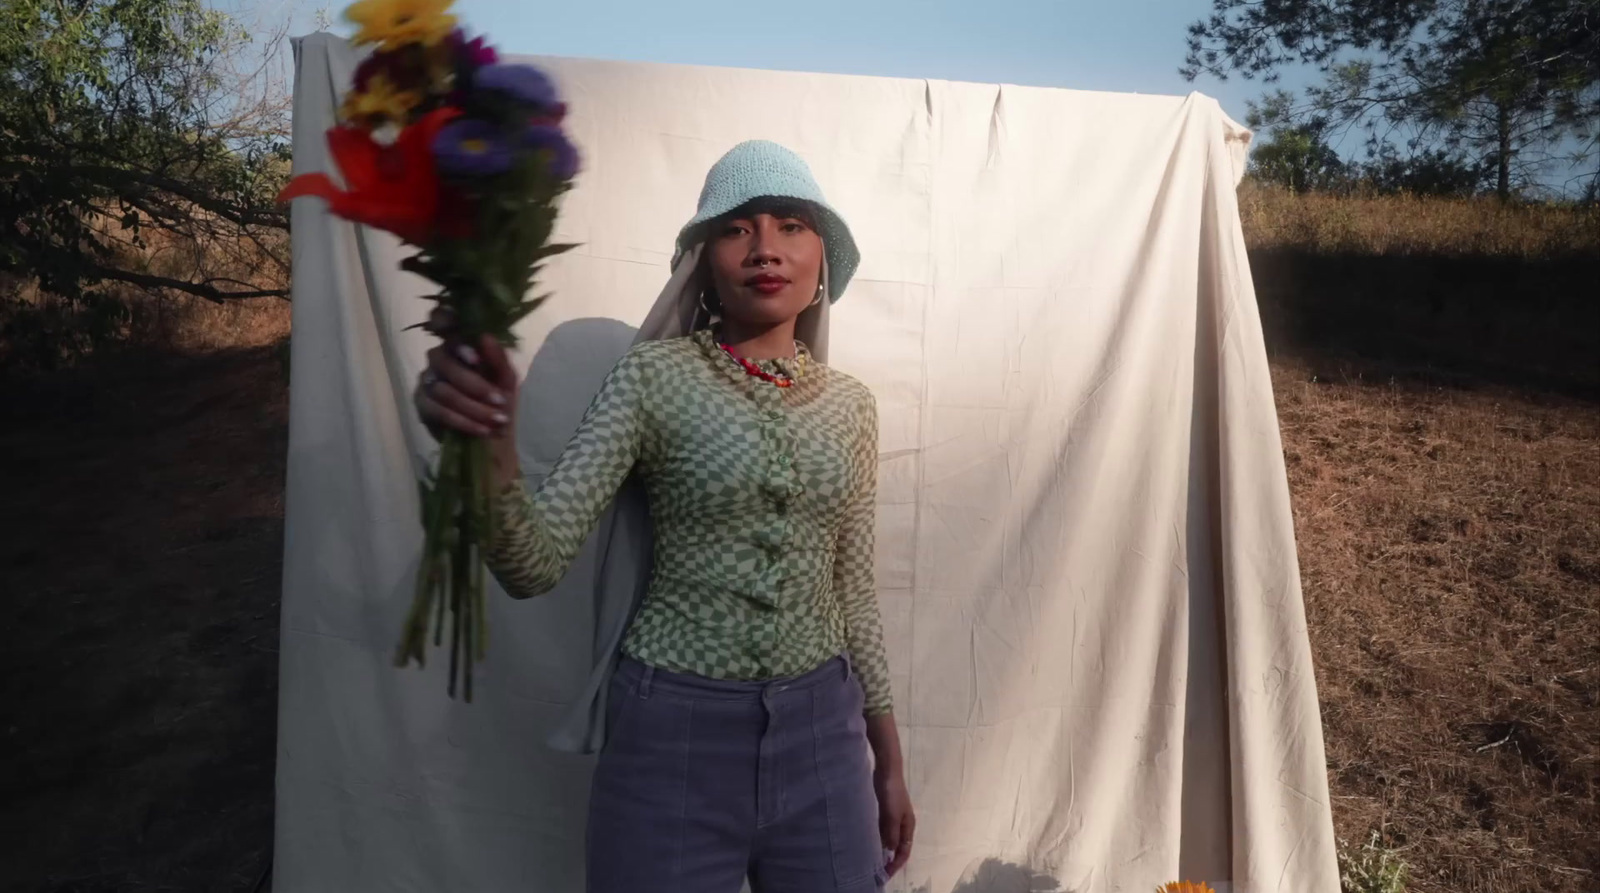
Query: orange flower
pixel 1184 887
pixel 394 188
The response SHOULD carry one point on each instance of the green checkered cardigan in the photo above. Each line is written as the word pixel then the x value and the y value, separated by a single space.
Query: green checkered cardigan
pixel 762 502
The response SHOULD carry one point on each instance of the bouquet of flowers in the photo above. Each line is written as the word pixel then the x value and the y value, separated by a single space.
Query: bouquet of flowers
pixel 465 158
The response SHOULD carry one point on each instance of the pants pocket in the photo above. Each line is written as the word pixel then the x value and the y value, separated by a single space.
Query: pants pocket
pixel 845 770
pixel 620 695
pixel 636 802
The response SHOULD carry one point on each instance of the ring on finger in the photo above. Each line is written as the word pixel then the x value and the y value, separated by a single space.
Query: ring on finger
pixel 429 379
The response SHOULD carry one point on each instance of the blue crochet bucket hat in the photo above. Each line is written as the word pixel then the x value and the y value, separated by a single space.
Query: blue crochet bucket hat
pixel 762 169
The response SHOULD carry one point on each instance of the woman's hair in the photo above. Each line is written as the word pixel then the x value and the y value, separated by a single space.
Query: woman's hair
pixel 777 206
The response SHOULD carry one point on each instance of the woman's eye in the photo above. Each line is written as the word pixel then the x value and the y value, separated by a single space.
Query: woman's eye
pixel 733 229
pixel 794 226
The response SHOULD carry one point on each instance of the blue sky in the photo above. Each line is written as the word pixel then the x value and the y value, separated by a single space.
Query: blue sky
pixel 1129 46
pixel 1117 45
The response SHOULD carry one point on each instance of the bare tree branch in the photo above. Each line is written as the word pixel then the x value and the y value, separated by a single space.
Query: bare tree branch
pixel 203 289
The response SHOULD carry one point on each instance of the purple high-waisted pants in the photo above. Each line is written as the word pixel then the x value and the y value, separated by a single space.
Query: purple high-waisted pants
pixel 704 782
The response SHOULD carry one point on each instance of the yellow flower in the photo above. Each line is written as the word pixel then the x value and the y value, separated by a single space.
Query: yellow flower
pixel 396 23
pixel 380 101
pixel 1184 887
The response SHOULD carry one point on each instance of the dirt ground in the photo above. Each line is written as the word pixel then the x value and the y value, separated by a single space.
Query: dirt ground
pixel 1450 539
pixel 1450 548
pixel 142 519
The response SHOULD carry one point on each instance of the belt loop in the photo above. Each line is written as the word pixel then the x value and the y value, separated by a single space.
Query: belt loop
pixel 645 680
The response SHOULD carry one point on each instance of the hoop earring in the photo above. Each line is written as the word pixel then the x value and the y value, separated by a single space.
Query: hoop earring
pixel 710 314
pixel 822 282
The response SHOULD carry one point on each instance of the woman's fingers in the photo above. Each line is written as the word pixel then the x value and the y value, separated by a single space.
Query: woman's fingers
pixel 467 388
pixel 497 365
pixel 902 848
pixel 447 396
pixel 897 824
pixel 437 414
pixel 889 832
pixel 455 364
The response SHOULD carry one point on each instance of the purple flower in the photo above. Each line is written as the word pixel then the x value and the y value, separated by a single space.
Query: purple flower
pixel 562 157
pixel 468 147
pixel 473 53
pixel 478 53
pixel 523 83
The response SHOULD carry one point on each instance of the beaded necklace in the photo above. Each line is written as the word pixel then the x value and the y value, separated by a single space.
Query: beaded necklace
pixel 750 368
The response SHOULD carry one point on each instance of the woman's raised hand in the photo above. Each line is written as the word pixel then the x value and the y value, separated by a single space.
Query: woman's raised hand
pixel 466 388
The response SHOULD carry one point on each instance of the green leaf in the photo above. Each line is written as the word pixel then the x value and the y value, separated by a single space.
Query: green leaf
pixel 521 312
pixel 554 249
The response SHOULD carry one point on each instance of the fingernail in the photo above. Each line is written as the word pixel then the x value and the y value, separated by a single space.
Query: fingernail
pixel 497 398
pixel 467 355
pixel 500 418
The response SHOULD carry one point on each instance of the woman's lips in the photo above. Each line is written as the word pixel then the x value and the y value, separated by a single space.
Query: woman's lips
pixel 767 283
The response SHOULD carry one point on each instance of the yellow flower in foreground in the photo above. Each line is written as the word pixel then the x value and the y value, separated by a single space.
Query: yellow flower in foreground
pixel 395 23
pixel 381 101
pixel 1184 887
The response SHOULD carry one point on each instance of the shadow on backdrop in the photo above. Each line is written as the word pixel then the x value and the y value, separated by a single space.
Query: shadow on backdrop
pixel 562 379
pixel 1458 321
pixel 995 876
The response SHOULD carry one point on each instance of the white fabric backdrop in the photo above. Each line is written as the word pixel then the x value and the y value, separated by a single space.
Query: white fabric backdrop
pixel 1086 561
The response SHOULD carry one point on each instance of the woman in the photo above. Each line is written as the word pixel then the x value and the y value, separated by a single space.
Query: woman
pixel 752 682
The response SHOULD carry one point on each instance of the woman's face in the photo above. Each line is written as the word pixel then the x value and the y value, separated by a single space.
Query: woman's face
pixel 765 265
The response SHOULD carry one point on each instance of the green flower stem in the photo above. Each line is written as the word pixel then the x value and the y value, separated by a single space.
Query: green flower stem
pixel 457 521
pixel 482 523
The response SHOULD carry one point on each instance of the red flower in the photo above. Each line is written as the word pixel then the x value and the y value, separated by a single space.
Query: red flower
pixel 394 188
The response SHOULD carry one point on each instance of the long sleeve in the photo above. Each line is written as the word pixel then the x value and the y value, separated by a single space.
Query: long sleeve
pixel 854 583
pixel 539 534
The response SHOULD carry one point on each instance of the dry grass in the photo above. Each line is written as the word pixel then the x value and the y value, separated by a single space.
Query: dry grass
pixel 168 325
pixel 1450 544
pixel 1401 225
pixel 1437 367
pixel 189 325
pixel 40 331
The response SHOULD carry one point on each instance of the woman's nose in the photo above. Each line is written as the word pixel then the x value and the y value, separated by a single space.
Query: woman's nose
pixel 761 254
